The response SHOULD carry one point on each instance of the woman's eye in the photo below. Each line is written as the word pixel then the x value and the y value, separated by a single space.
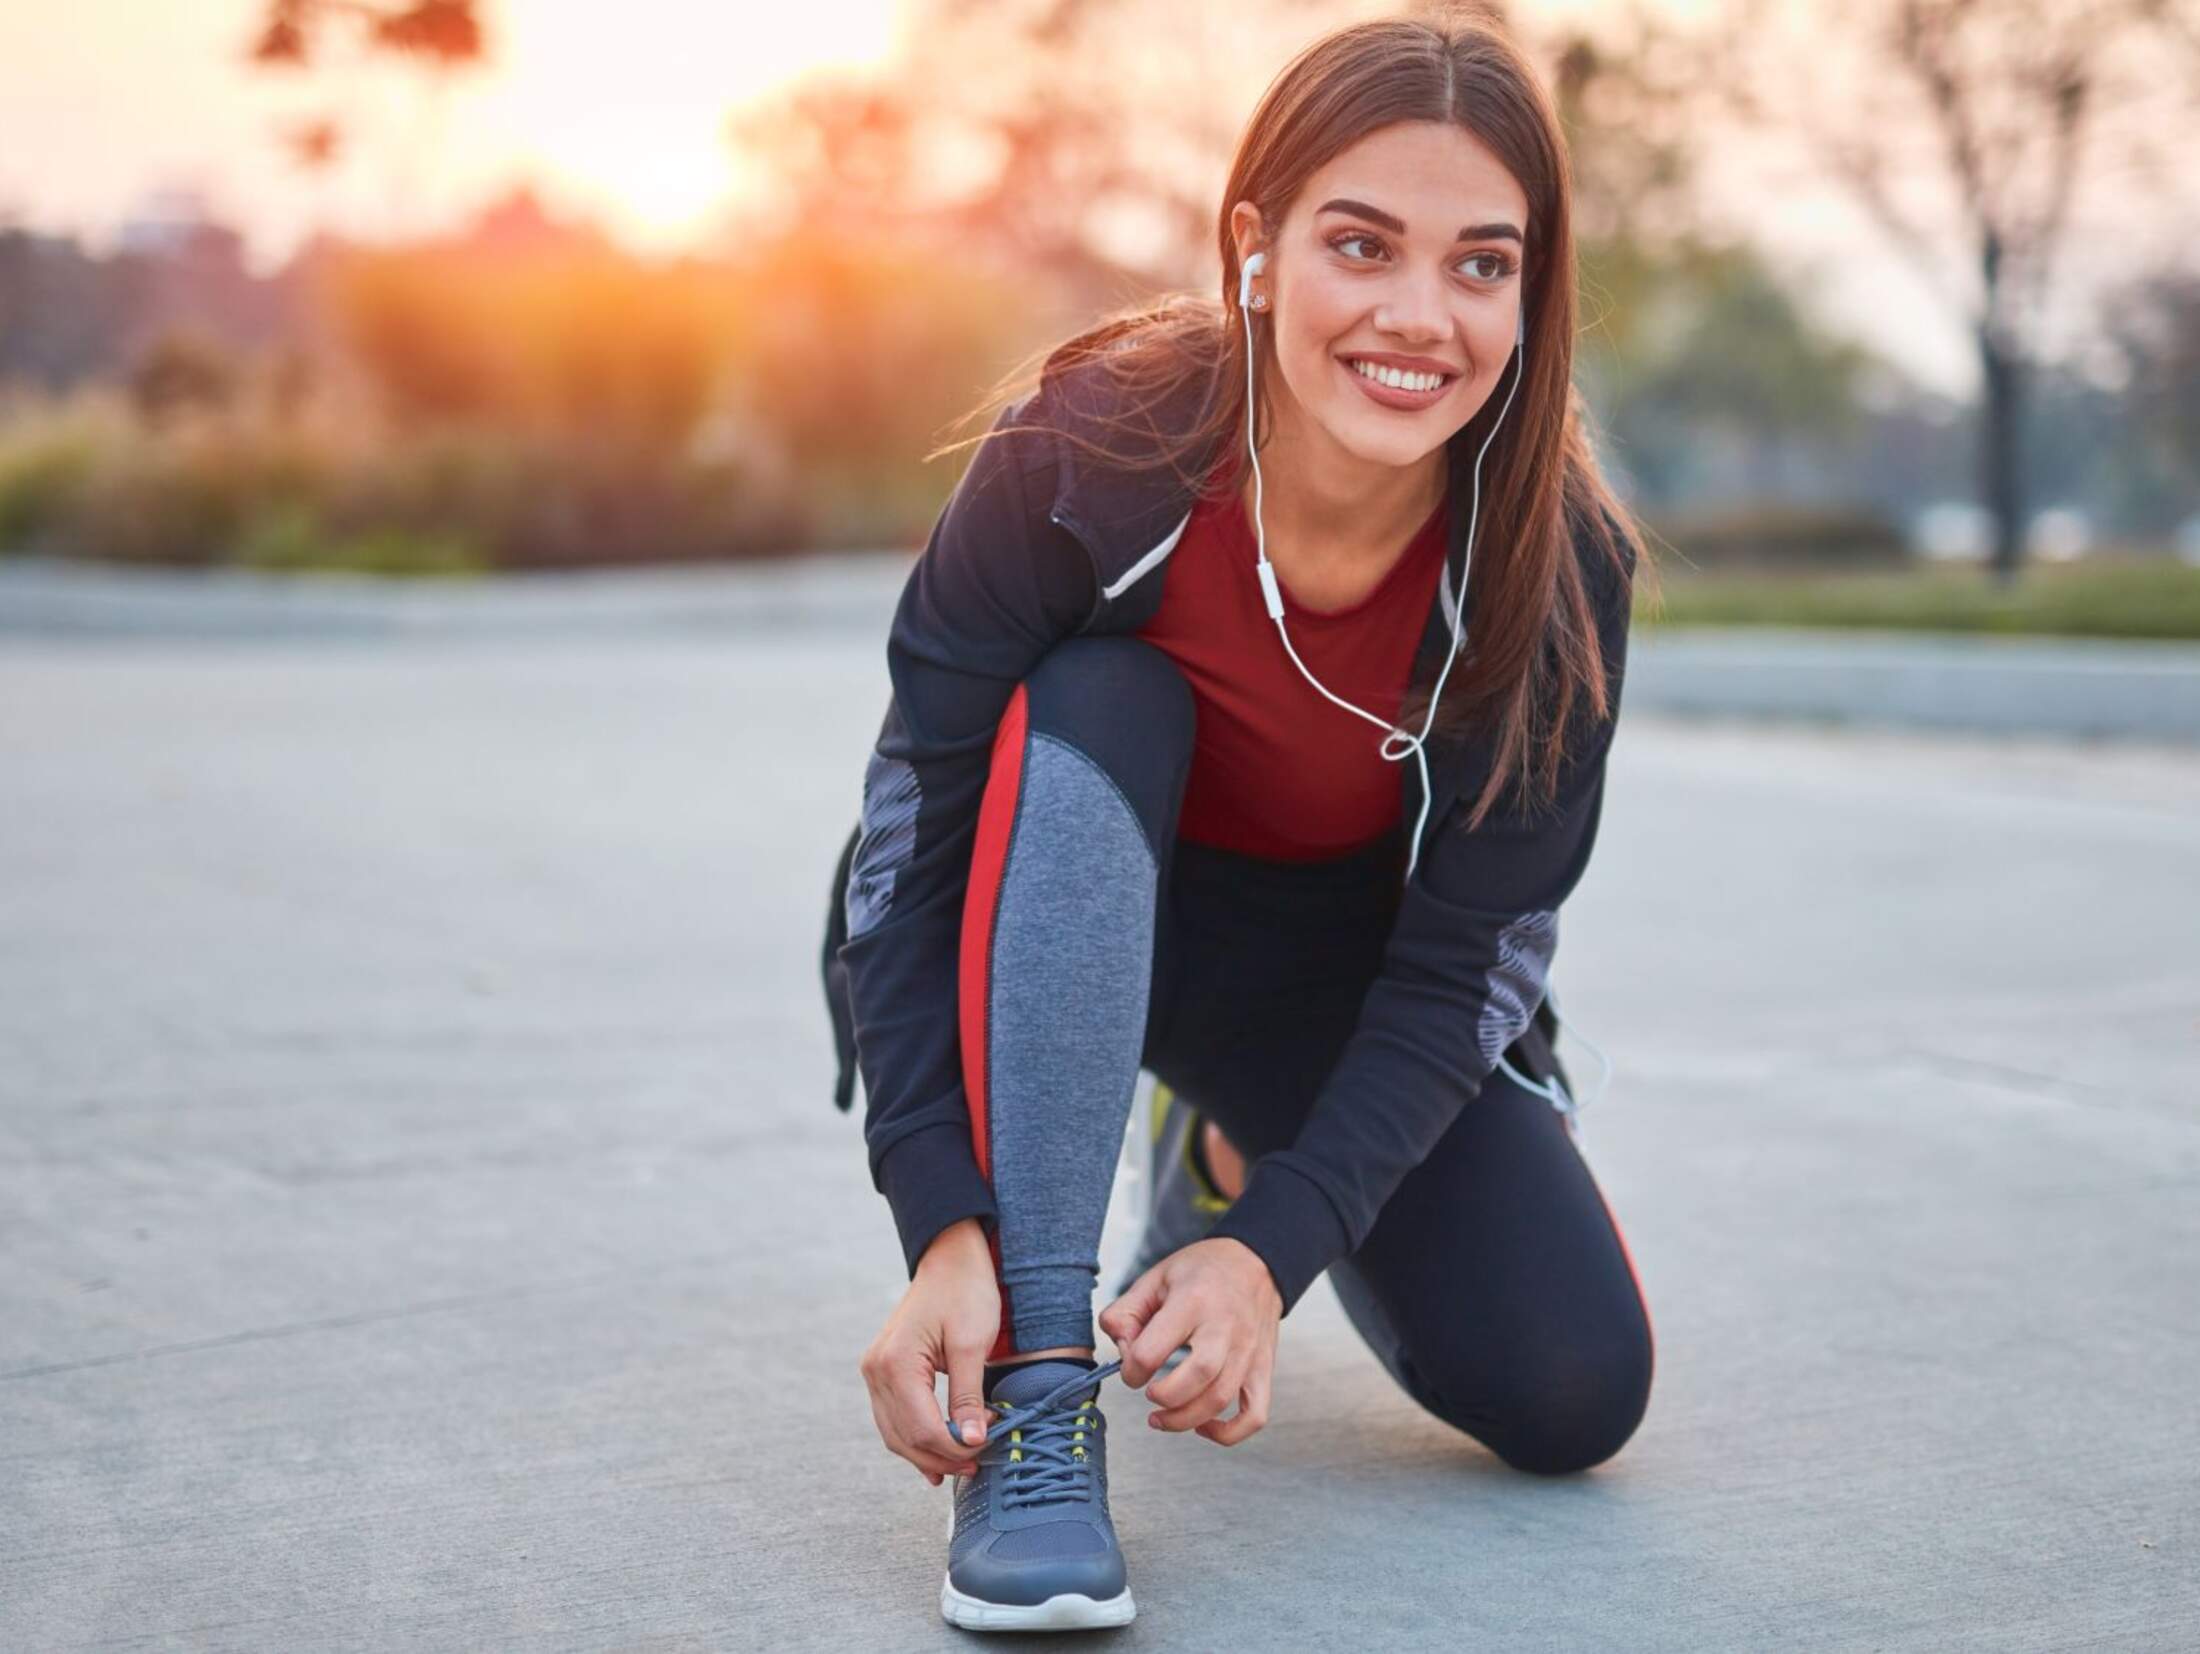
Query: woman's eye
pixel 1500 265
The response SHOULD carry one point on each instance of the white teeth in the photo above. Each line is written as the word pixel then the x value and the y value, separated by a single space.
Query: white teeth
pixel 1395 379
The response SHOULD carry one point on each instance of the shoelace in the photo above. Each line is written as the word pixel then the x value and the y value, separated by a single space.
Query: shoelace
pixel 1039 1447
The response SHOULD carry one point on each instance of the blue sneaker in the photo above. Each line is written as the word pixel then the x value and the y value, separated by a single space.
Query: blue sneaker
pixel 1032 1548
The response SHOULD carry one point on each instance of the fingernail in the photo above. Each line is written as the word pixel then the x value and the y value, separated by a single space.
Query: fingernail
pixel 1154 1419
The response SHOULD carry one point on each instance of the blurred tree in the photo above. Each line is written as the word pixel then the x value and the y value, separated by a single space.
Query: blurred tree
pixel 1623 90
pixel 1963 128
pixel 1023 167
pixel 563 340
pixel 315 143
pixel 68 314
pixel 440 37
pixel 2154 333
pixel 180 371
pixel 1708 377
pixel 442 33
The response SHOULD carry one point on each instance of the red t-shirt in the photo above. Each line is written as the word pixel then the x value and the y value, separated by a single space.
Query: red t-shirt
pixel 1278 769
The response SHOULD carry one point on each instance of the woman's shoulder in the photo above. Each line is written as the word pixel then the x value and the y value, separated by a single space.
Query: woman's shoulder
pixel 1034 435
pixel 1126 393
pixel 1109 444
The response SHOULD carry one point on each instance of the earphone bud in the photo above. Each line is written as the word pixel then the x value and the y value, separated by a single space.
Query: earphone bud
pixel 1253 266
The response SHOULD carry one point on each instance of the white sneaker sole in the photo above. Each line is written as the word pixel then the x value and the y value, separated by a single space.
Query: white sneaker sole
pixel 1072 1611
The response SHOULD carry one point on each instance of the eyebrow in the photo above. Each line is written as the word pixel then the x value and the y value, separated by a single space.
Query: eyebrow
pixel 1496 230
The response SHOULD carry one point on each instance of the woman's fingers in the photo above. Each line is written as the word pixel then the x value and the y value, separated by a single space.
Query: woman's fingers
pixel 905 1407
pixel 966 1393
pixel 1169 1326
pixel 933 1463
pixel 945 1322
pixel 1126 1318
pixel 890 1431
pixel 1196 1373
pixel 1252 1410
pixel 933 1466
pixel 915 1406
pixel 1228 1432
pixel 1211 1398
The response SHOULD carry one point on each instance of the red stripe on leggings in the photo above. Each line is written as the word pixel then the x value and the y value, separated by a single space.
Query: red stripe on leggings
pixel 988 861
pixel 1649 1333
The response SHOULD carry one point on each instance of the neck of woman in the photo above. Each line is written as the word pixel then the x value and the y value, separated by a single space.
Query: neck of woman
pixel 1336 512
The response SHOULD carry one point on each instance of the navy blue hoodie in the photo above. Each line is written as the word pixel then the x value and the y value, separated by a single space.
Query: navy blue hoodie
pixel 1037 543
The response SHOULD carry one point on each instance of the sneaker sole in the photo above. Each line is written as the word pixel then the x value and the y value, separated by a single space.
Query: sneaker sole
pixel 1072 1611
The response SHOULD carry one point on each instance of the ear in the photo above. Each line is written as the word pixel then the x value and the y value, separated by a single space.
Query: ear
pixel 1248 231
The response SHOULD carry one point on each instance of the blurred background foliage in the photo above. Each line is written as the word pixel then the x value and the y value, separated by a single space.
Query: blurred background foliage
pixel 524 392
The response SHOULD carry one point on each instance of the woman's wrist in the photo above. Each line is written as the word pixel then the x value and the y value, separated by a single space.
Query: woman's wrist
pixel 1260 1280
pixel 961 1244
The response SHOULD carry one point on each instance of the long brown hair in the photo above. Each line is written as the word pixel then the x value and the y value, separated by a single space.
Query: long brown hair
pixel 1532 663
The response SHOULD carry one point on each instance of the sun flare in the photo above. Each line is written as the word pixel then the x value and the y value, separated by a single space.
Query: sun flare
pixel 632 121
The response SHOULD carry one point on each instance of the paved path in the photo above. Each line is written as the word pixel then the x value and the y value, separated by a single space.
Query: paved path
pixel 423 1222
pixel 2083 687
pixel 2002 685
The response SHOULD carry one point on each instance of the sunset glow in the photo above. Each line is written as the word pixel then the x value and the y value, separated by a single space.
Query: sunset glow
pixel 616 111
pixel 636 124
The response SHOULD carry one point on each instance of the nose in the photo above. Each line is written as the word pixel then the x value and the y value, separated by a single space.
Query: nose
pixel 1414 308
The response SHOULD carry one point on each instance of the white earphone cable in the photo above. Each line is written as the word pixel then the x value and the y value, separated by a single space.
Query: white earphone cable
pixel 1273 595
pixel 1416 744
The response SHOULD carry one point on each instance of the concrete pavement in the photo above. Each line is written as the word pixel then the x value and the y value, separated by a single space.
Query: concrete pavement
pixel 2085 687
pixel 423 1222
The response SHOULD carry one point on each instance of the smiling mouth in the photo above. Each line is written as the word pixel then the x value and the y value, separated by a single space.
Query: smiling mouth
pixel 1403 392
pixel 1419 384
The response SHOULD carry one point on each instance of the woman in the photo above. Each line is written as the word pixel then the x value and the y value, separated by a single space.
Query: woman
pixel 1130 809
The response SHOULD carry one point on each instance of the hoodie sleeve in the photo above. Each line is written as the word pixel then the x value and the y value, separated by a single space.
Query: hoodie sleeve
pixel 995 587
pixel 1464 970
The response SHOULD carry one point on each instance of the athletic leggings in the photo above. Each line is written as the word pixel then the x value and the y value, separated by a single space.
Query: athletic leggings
pixel 1495 1286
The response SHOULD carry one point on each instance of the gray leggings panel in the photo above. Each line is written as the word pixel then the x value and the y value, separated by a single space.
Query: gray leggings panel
pixel 1075 896
pixel 1072 945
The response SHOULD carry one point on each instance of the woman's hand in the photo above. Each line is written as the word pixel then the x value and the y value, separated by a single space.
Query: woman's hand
pixel 945 1323
pixel 1217 1296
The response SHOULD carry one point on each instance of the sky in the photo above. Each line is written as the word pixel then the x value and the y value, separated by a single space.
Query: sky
pixel 105 105
pixel 105 102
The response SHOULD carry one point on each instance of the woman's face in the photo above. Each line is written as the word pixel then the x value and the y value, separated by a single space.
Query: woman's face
pixel 1392 276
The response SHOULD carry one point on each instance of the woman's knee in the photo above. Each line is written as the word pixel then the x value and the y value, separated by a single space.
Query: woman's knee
pixel 1552 1413
pixel 1106 712
pixel 1119 699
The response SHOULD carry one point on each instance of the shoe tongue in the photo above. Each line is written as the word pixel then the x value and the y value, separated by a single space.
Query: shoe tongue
pixel 1020 1386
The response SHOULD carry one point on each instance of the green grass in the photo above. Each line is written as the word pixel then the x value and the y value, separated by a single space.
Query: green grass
pixel 291 538
pixel 2153 599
